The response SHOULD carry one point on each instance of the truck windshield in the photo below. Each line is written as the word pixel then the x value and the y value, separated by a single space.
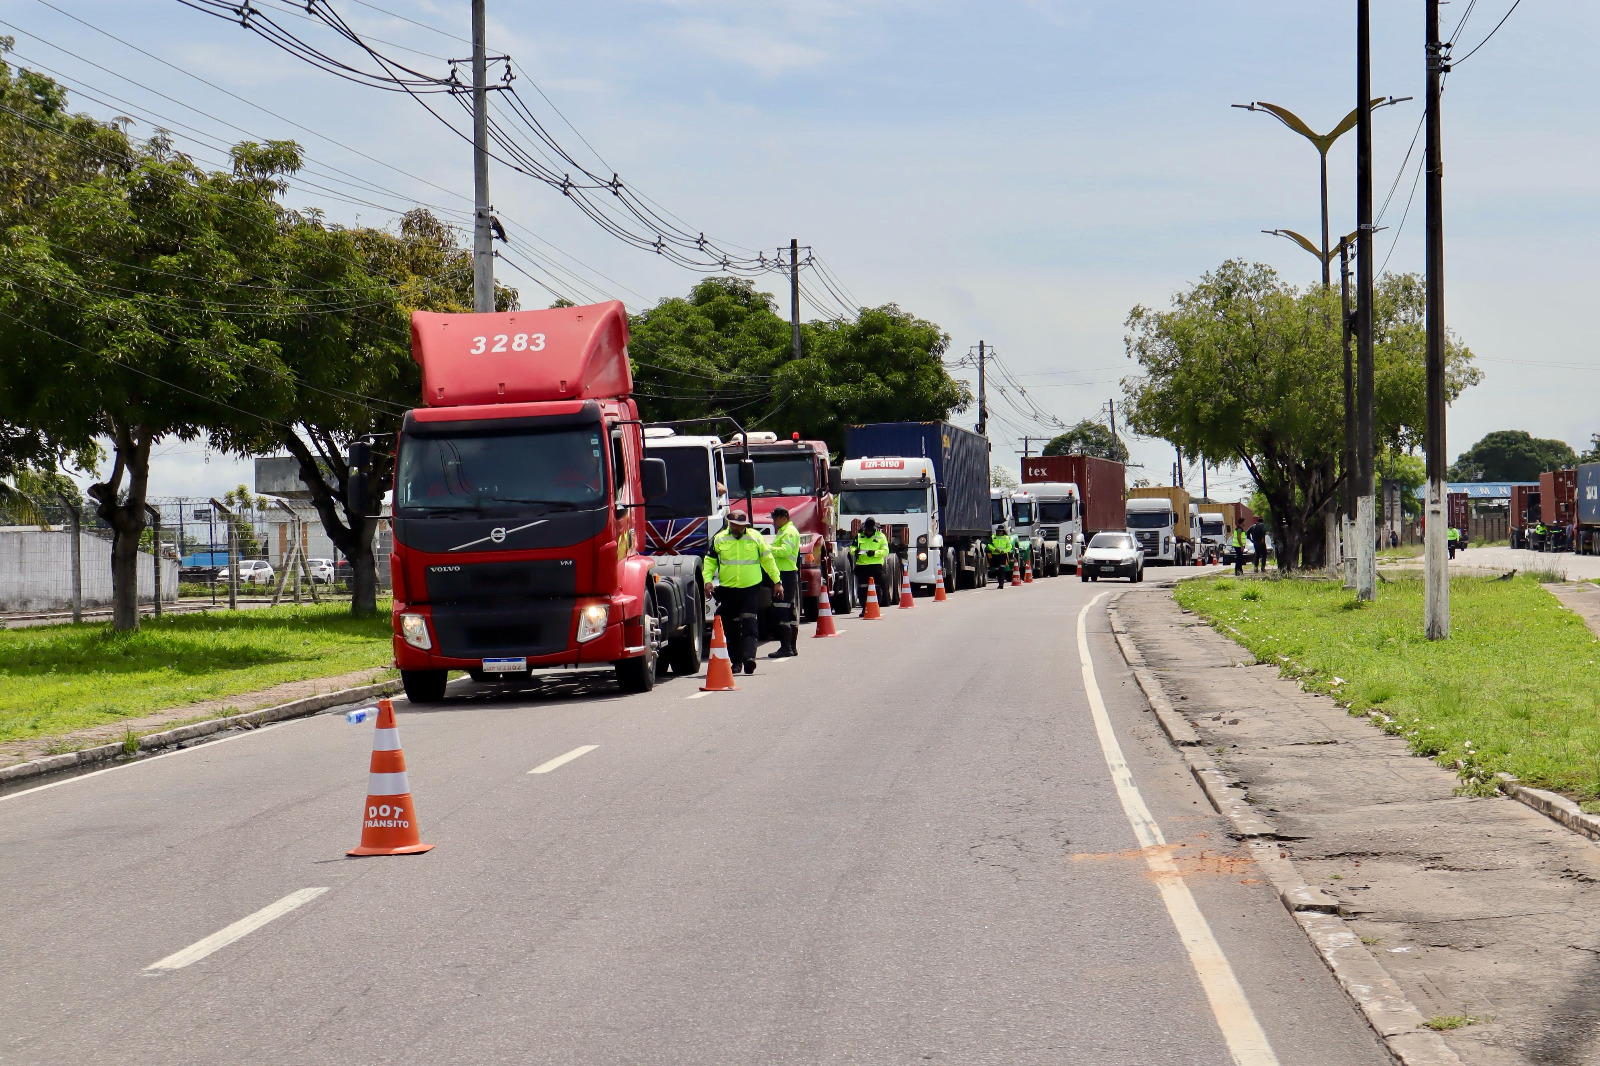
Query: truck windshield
pixel 688 483
pixel 776 475
pixel 469 471
pixel 1149 519
pixel 1211 527
pixel 1022 512
pixel 883 501
pixel 1057 510
pixel 997 512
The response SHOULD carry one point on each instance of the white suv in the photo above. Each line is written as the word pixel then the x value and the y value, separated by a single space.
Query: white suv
pixel 251 572
pixel 321 570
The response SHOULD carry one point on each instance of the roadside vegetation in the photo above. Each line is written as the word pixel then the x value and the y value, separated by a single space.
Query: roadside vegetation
pixel 57 679
pixel 1513 690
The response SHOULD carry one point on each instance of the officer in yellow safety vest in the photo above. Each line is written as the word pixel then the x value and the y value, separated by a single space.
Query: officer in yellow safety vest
pixel 786 594
pixel 740 562
pixel 870 552
pixel 1001 547
pixel 1237 539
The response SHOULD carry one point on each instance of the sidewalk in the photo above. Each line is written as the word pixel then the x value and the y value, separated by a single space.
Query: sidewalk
pixel 1499 560
pixel 1478 908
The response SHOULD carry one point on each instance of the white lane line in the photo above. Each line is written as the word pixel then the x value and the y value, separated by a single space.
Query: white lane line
pixel 139 762
pixel 238 930
pixel 1246 1042
pixel 562 760
pixel 696 695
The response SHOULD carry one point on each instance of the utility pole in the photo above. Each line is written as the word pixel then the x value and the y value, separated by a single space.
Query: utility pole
pixel 1177 468
pixel 1111 405
pixel 1205 489
pixel 1436 593
pixel 482 236
pixel 983 397
pixel 1366 530
pixel 1347 512
pixel 1026 441
pixel 794 298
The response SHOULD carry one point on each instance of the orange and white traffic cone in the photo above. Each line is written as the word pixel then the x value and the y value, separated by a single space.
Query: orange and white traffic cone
pixel 869 610
pixel 1016 576
pixel 719 672
pixel 907 599
pixel 390 825
pixel 1027 571
pixel 825 626
pixel 939 594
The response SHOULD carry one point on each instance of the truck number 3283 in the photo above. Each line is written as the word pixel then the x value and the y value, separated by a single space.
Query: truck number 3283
pixel 517 342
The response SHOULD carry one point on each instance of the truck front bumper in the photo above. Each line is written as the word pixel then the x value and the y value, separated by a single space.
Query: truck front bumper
pixel 544 633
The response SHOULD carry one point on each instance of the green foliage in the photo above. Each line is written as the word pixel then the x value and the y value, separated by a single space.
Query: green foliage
pixel 1411 471
pixel 28 496
pixel 1511 691
pixel 1246 369
pixel 1001 478
pixel 54 679
pixel 1512 455
pixel 725 349
pixel 1089 438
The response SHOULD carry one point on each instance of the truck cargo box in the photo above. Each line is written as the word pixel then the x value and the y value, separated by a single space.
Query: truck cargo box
pixel 1458 511
pixel 1558 497
pixel 1525 505
pixel 1101 483
pixel 1588 494
pixel 1179 498
pixel 960 465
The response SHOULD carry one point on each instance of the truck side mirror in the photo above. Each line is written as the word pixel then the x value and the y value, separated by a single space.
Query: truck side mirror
pixel 653 474
pixel 359 491
pixel 835 479
pixel 747 473
pixel 943 495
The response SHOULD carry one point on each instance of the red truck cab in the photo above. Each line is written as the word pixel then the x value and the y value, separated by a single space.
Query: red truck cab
pixel 518 502
pixel 793 474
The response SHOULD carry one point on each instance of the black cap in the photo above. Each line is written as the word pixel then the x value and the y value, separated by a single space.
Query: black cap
pixel 780 512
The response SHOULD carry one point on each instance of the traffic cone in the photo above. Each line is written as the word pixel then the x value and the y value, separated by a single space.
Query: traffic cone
pixel 869 610
pixel 390 824
pixel 719 672
pixel 825 627
pixel 1027 571
pixel 1016 576
pixel 939 594
pixel 907 600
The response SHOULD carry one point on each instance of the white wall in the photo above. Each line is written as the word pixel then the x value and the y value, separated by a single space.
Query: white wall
pixel 36 571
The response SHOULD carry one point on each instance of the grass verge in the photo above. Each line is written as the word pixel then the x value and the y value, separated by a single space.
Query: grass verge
pixel 1516 688
pixel 57 679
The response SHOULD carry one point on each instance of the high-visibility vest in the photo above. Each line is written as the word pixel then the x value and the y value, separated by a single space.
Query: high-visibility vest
pixel 1238 536
pixel 1001 544
pixel 738 562
pixel 873 550
pixel 786 548
pixel 1453 534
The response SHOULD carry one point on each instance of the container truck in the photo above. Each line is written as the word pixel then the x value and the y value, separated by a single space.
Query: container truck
pixel 901 494
pixel 961 481
pixel 1040 554
pixel 1102 487
pixel 680 523
pixel 1586 504
pixel 519 509
pixel 1060 515
pixel 1558 497
pixel 1523 513
pixel 1158 517
pixel 793 474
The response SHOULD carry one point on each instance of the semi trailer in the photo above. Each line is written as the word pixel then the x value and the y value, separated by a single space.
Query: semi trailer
pixel 1102 487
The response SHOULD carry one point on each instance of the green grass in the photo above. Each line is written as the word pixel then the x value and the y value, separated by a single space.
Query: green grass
pixel 1516 688
pixel 1443 1023
pixel 56 679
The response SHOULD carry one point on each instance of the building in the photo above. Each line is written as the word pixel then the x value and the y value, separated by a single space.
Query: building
pixel 296 518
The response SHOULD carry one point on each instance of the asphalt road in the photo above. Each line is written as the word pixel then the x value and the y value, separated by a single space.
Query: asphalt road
pixel 903 846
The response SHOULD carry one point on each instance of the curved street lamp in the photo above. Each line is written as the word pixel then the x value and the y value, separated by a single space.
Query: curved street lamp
pixel 1321 142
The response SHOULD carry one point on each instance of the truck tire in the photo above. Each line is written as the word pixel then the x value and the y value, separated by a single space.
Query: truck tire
pixel 684 651
pixel 639 674
pixel 424 686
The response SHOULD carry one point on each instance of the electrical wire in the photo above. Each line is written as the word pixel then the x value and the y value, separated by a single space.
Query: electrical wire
pixel 1480 44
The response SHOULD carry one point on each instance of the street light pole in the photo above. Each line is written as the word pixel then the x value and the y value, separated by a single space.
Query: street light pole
pixel 1436 591
pixel 1366 530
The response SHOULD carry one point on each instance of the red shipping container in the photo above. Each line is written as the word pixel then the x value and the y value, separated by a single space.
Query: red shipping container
pixel 1101 482
pixel 1456 507
pixel 1525 505
pixel 1558 496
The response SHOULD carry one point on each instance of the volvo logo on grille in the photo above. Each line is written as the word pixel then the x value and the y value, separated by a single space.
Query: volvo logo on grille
pixel 444 569
pixel 497 534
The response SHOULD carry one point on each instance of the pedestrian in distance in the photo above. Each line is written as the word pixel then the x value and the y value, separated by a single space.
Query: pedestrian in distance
pixel 1452 538
pixel 1258 541
pixel 1394 538
pixel 1002 547
pixel 786 593
pixel 1237 539
pixel 869 553
pixel 740 562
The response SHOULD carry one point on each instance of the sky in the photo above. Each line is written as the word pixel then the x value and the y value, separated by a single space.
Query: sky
pixel 1021 172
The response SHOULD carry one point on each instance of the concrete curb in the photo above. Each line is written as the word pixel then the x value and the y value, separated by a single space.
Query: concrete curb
pixel 1391 1015
pixel 151 742
pixel 1552 805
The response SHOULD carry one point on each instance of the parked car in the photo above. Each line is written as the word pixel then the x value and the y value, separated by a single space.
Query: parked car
pixel 251 572
pixel 321 570
pixel 1113 555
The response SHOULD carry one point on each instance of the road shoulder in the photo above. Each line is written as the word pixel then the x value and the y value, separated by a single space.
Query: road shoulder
pixel 1477 907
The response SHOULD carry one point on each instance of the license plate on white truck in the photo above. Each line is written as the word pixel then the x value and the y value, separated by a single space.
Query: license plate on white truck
pixel 505 666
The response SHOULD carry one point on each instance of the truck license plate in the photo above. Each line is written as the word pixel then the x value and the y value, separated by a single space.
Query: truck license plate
pixel 505 666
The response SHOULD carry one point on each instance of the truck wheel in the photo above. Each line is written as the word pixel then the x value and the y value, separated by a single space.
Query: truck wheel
pixel 424 686
pixel 639 674
pixel 684 651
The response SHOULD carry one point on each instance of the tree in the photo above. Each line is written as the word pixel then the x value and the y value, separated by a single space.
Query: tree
pixel 1245 369
pixel 1001 478
pixel 248 509
pixel 1089 438
pixel 1512 455
pixel 133 276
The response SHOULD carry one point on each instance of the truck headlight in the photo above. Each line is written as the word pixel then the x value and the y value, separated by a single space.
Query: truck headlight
pixel 414 631
pixel 592 621
pixel 922 559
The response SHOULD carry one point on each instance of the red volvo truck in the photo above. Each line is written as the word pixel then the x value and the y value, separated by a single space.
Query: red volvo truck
pixel 519 507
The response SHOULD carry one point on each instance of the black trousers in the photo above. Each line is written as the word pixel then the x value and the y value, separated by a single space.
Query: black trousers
pixel 784 615
pixel 875 572
pixel 741 621
pixel 1261 554
pixel 1238 560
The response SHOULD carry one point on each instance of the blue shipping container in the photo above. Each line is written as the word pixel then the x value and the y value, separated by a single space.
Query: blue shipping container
pixel 960 466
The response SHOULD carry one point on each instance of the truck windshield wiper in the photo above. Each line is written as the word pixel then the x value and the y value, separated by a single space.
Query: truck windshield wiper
pixel 549 505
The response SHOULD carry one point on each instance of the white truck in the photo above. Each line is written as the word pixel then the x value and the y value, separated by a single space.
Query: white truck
pixel 679 525
pixel 902 495
pixel 1040 555
pixel 1058 517
pixel 1159 521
